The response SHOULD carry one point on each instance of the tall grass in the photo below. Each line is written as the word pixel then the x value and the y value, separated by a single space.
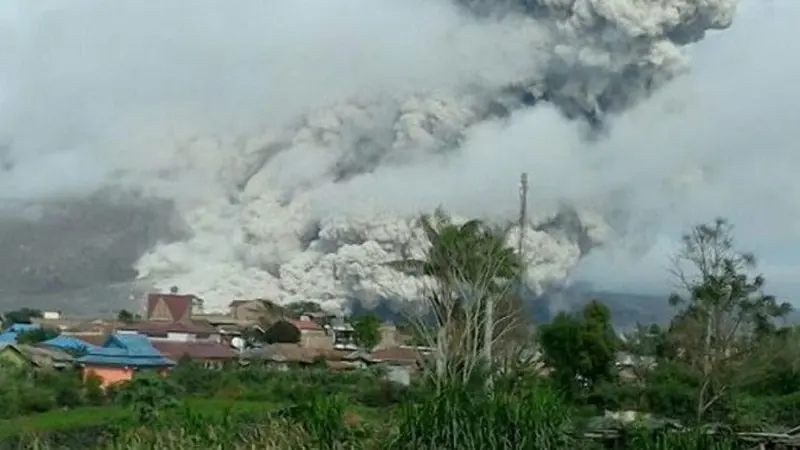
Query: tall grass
pixel 462 417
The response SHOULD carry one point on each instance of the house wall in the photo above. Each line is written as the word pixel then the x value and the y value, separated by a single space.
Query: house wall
pixel 250 311
pixel 181 337
pixel 113 375
pixel 108 375
pixel 316 339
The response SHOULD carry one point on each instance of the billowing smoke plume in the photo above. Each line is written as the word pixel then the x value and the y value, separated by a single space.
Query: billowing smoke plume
pixel 298 140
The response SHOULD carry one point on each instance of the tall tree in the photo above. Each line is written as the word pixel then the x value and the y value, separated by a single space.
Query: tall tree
pixel 723 315
pixel 472 268
pixel 580 349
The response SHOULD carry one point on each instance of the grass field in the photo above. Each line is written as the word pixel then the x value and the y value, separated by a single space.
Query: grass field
pixel 101 416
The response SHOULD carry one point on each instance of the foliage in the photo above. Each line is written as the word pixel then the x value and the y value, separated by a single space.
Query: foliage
pixel 580 349
pixel 26 391
pixel 149 395
pixel 22 315
pixel 725 317
pixel 37 335
pixel 473 269
pixel 282 332
pixel 126 316
pixel 367 331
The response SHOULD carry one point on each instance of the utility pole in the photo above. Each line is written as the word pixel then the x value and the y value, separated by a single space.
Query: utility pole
pixel 488 330
pixel 523 221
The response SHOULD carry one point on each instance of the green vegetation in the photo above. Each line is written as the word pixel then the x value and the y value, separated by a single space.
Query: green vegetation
pixel 726 358
pixel 367 331
pixel 22 315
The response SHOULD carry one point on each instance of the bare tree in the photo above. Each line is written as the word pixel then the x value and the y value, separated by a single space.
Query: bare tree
pixel 723 309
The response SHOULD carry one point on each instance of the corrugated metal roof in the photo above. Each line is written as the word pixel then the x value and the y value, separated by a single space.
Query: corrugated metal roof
pixel 67 343
pixel 132 350
pixel 134 344
pixel 22 328
pixel 8 337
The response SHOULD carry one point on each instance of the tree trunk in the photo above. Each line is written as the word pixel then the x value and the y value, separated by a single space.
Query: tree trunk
pixel 488 337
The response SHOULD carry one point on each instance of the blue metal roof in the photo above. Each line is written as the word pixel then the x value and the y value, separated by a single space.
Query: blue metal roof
pixel 8 337
pixel 68 343
pixel 17 328
pixel 134 344
pixel 132 350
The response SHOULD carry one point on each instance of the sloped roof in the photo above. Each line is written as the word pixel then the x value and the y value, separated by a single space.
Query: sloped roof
pixel 152 326
pixel 8 337
pixel 130 350
pixel 237 303
pixel 67 343
pixel 22 328
pixel 194 350
pixel 94 339
pixel 45 356
pixel 40 357
pixel 398 355
pixel 177 304
pixel 306 325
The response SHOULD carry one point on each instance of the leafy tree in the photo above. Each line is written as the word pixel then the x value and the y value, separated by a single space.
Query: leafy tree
pixel 149 395
pixel 472 268
pixel 367 331
pixel 22 315
pixel 724 316
pixel 282 332
pixel 581 350
pixel 37 335
pixel 126 316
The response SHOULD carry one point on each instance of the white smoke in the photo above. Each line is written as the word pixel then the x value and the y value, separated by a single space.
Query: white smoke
pixel 299 139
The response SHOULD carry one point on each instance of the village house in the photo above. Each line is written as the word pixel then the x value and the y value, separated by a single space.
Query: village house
pixel 312 334
pixel 209 354
pixel 342 334
pixel 36 357
pixel 120 357
pixel 247 310
pixel 229 328
pixel 67 343
pixel 285 356
pixel 170 317
pixel 173 307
